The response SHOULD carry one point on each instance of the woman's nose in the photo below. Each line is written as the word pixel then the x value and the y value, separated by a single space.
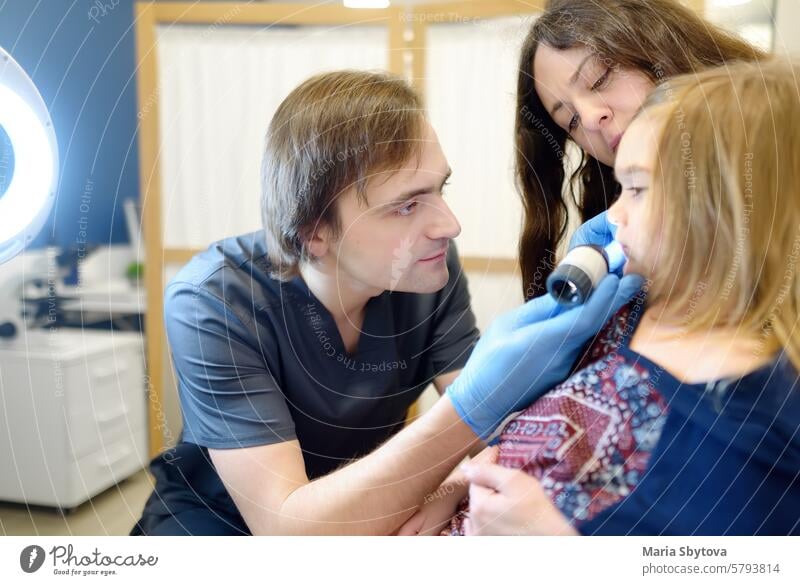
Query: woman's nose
pixel 594 114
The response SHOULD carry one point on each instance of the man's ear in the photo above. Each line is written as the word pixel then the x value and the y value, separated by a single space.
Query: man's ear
pixel 317 240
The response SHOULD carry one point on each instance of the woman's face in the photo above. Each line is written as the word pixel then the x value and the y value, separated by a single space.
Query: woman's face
pixel 590 97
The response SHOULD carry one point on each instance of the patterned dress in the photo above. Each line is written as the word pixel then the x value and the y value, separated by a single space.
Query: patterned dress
pixel 588 441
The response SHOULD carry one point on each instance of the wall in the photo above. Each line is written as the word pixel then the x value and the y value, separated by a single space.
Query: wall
pixel 787 18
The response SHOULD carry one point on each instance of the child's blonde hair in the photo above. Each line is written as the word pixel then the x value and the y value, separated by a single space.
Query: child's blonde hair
pixel 726 195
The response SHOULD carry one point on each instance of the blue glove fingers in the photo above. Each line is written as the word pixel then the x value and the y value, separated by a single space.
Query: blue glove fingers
pixel 528 351
pixel 541 308
pixel 579 324
pixel 609 297
pixel 567 333
pixel 597 231
pixel 629 286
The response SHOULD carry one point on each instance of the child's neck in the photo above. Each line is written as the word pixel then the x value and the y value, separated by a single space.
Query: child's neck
pixel 698 356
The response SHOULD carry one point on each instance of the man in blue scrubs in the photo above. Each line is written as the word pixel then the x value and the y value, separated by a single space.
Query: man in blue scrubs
pixel 299 348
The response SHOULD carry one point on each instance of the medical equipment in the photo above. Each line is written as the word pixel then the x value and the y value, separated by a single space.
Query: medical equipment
pixel 29 167
pixel 73 402
pixel 29 276
pixel 581 271
pixel 30 193
pixel 527 351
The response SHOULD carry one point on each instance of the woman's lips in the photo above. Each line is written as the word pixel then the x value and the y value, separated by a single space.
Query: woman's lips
pixel 615 143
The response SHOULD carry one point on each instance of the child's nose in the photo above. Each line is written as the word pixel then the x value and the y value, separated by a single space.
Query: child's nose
pixel 617 215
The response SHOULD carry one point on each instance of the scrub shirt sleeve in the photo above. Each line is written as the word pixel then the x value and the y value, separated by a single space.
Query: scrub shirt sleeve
pixel 229 397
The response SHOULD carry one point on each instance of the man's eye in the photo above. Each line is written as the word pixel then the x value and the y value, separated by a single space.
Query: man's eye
pixel 603 78
pixel 406 209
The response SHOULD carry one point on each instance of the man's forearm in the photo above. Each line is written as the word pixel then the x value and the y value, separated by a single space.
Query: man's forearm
pixel 379 492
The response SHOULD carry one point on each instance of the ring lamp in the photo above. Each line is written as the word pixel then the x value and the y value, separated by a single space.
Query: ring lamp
pixel 28 159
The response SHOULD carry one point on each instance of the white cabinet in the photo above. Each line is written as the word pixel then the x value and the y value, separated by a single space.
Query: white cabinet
pixel 73 418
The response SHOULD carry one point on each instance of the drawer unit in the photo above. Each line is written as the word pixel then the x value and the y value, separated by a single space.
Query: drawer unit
pixel 73 413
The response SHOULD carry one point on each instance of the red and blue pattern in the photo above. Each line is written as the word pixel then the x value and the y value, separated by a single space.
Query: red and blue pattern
pixel 588 441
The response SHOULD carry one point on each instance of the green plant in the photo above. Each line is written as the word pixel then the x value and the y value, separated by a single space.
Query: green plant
pixel 135 271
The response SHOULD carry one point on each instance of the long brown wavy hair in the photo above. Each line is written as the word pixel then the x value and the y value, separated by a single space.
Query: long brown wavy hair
pixel 660 38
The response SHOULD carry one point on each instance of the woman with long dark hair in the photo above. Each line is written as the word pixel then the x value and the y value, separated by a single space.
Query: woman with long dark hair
pixel 585 69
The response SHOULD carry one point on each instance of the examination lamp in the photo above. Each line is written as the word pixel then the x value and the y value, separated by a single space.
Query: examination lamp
pixel 574 279
pixel 28 159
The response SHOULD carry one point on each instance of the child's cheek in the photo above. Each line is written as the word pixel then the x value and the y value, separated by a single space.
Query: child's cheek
pixel 649 238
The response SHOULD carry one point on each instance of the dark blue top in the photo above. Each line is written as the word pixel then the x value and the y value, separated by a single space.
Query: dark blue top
pixel 727 461
pixel 260 362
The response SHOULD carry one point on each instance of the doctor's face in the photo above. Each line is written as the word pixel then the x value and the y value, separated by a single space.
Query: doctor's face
pixel 399 240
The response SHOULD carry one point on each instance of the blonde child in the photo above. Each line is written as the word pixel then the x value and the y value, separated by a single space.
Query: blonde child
pixel 683 416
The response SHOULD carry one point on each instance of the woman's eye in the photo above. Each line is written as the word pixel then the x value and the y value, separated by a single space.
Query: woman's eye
pixel 573 123
pixel 637 191
pixel 445 186
pixel 406 209
pixel 603 78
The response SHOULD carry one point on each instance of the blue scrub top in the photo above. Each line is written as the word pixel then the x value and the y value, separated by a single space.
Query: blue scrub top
pixel 259 361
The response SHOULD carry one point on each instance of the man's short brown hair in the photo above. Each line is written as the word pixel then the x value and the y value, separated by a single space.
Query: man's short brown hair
pixel 331 134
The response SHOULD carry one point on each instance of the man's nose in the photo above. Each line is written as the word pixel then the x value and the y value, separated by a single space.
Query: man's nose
pixel 444 224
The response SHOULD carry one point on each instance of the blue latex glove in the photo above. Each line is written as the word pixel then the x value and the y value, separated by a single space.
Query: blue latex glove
pixel 598 231
pixel 529 350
